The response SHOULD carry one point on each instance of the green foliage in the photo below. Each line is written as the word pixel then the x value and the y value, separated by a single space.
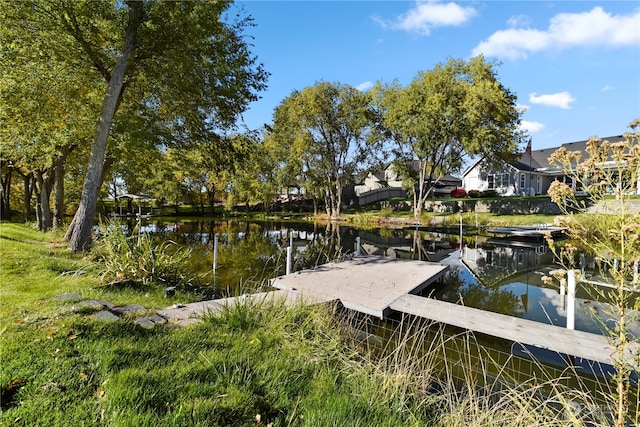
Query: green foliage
pixel 487 194
pixel 459 108
pixel 140 258
pixel 324 135
pixel 474 194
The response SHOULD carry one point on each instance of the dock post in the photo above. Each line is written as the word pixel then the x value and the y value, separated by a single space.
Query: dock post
pixel 358 252
pixel 571 299
pixel 461 231
pixel 215 256
pixel 288 271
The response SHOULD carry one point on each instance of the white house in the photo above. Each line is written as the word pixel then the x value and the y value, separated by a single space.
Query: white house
pixel 529 175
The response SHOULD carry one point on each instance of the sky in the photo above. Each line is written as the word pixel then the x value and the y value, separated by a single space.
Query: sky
pixel 574 65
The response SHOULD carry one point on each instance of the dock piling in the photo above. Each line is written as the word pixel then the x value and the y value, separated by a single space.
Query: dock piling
pixel 288 270
pixel 571 299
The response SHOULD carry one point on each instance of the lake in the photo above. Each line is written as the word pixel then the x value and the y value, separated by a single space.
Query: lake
pixel 499 275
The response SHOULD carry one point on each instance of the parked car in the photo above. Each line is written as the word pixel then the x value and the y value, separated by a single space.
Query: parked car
pixel 458 193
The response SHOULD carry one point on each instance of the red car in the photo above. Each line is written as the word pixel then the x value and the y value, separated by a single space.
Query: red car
pixel 458 193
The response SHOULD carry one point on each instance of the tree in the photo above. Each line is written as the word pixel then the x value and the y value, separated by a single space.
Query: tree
pixel 45 109
pixel 458 109
pixel 327 130
pixel 610 174
pixel 186 62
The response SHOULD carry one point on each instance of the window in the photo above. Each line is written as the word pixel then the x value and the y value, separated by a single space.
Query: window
pixel 490 181
pixel 505 180
pixel 523 181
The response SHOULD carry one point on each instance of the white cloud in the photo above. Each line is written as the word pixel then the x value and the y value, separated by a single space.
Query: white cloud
pixel 531 127
pixel 566 30
pixel 518 21
pixel 561 99
pixel 523 108
pixel 364 86
pixel 426 15
pixel 606 88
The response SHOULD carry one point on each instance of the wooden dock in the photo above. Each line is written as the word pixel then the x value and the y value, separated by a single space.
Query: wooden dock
pixel 555 338
pixel 378 286
pixel 365 284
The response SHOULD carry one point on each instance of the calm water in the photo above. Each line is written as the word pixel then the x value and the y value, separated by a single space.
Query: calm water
pixel 494 275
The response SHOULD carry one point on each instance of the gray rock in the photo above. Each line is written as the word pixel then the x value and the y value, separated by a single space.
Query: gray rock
pixel 129 308
pixel 105 316
pixel 157 319
pixel 144 323
pixel 94 303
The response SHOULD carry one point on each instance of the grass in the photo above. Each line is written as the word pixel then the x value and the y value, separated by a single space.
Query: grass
pixel 252 364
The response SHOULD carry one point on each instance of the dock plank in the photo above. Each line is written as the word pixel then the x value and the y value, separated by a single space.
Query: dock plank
pixel 186 314
pixel 365 284
pixel 565 341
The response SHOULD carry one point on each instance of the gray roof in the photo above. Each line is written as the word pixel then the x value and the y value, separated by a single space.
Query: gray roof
pixel 539 159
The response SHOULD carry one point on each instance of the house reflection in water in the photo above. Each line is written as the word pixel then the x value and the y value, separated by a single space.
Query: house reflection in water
pixel 496 261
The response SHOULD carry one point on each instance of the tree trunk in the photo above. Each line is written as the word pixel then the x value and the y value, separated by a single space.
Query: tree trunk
pixel 26 197
pixel 338 201
pixel 5 194
pixel 315 204
pixel 59 172
pixel 43 193
pixel 58 206
pixel 327 203
pixel 80 234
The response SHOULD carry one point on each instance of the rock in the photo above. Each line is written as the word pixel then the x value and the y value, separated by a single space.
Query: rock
pixel 94 303
pixel 157 319
pixel 129 308
pixel 106 316
pixel 144 323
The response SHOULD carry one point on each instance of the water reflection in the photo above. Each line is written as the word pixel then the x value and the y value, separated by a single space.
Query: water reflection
pixel 494 275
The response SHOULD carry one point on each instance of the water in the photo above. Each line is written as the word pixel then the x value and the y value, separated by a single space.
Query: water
pixel 492 274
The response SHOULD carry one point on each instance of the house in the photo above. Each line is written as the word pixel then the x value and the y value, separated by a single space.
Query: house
pixel 389 178
pixel 529 175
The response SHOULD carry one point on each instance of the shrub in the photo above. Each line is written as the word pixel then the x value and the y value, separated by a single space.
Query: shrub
pixel 141 258
pixel 489 193
pixel 474 194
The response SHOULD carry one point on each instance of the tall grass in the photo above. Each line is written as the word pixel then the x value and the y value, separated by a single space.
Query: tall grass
pixel 140 258
pixel 450 379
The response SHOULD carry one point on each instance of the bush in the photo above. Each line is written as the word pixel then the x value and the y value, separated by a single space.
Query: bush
pixel 141 258
pixel 474 194
pixel 489 193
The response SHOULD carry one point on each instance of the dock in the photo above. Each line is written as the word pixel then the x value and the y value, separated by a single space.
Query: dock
pixel 380 286
pixel 365 284
pixel 531 232
pixel 555 338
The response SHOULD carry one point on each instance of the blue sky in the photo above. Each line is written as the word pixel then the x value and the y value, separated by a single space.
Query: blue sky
pixel 574 65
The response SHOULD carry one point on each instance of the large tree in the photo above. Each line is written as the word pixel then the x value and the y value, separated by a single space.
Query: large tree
pixel 327 132
pixel 456 110
pixel 45 108
pixel 182 67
